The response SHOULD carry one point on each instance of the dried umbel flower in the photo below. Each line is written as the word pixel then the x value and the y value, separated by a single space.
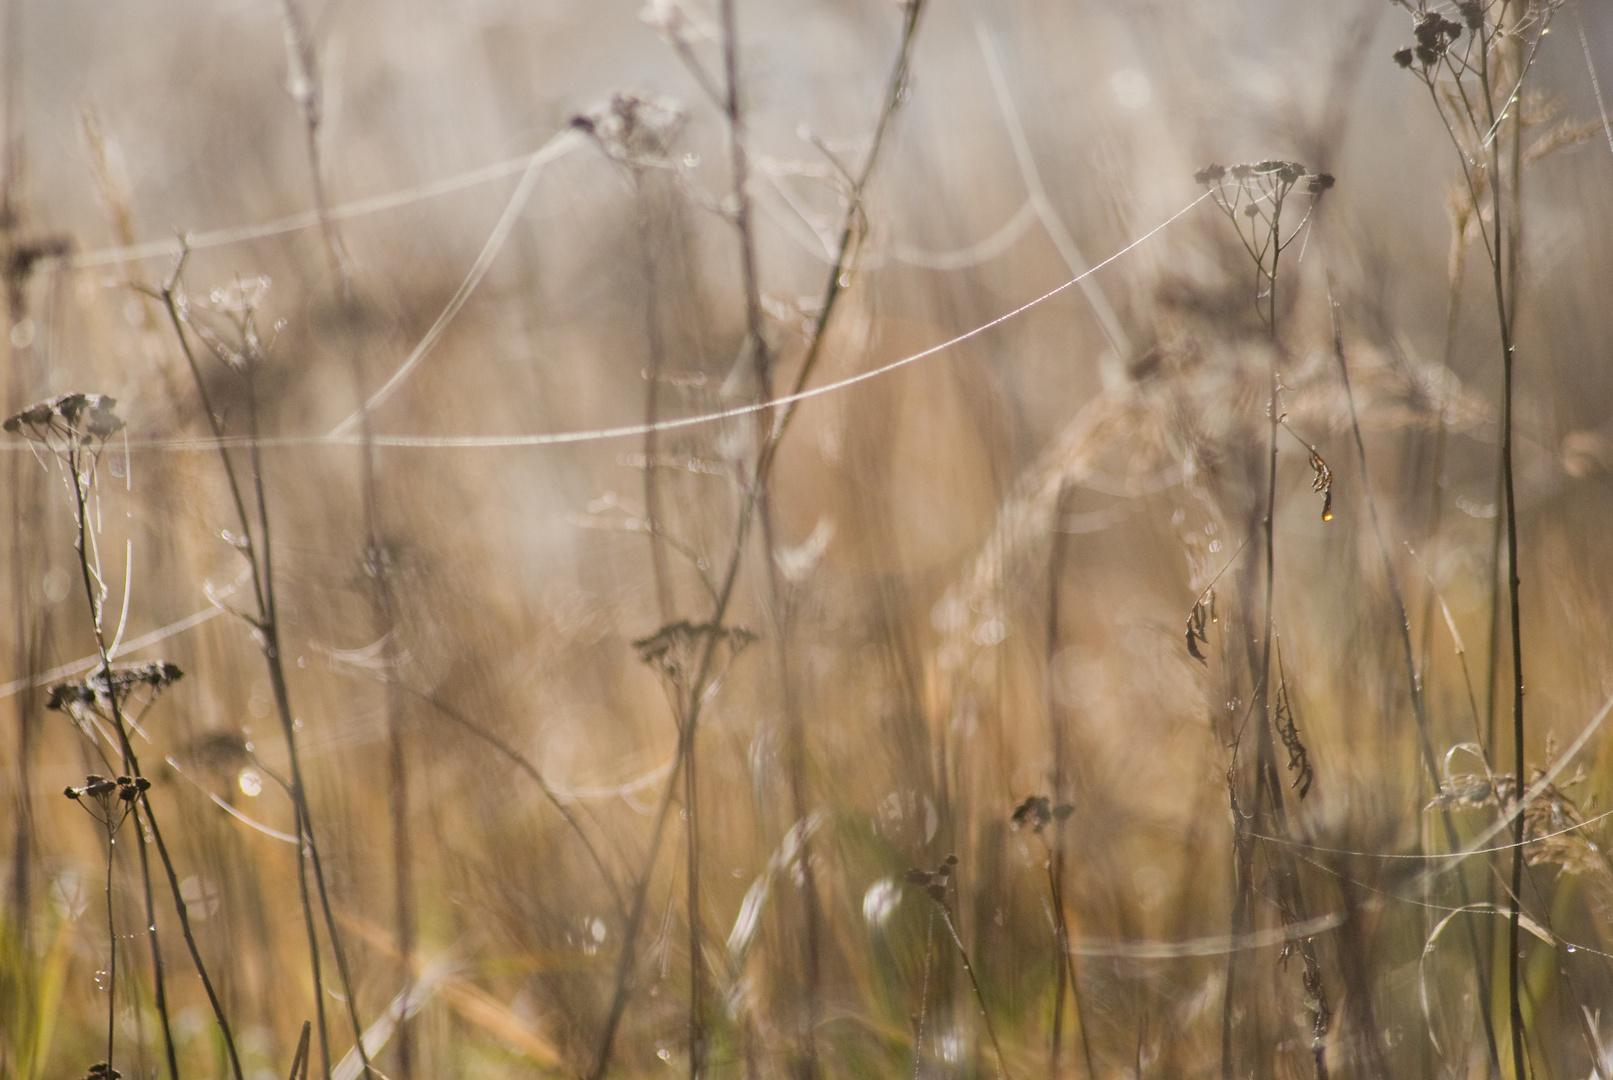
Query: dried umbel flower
pixel 71 419
pixel 156 674
pixel 934 881
pixel 121 679
pixel 112 798
pixel 672 649
pixel 635 129
pixel 1435 35
pixel 1267 179
pixel 1472 14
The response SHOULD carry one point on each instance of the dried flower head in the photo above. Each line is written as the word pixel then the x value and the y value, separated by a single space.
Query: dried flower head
pixel 109 801
pixel 68 420
pixel 1435 35
pixel 102 683
pixel 1038 812
pixel 934 881
pixel 635 129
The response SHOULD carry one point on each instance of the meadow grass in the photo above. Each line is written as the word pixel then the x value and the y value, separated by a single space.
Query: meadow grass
pixel 829 541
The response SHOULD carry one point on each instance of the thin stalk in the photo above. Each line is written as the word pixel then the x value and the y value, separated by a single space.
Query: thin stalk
pixel 308 90
pixel 750 502
pixel 130 762
pixel 521 762
pixel 112 943
pixel 796 750
pixel 1506 263
pixel 807 1068
pixel 1419 708
pixel 974 984
pixel 256 546
pixel 159 981
pixel 1065 978
pixel 697 962
pixel 270 630
pixel 652 408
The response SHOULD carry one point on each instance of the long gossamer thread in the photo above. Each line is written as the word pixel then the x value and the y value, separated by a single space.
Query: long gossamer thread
pixel 564 438
pixel 557 147
pixel 557 438
pixel 478 270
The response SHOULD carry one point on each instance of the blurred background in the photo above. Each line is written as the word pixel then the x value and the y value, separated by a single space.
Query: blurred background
pixel 964 588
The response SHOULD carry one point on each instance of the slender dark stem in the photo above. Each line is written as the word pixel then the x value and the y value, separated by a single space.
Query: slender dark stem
pixel 309 92
pixel 521 762
pixel 974 984
pixel 131 763
pixel 652 407
pixel 697 960
pixel 1418 706
pixel 807 1066
pixel 1066 979
pixel 111 941
pixel 160 982
pixel 256 546
pixel 752 498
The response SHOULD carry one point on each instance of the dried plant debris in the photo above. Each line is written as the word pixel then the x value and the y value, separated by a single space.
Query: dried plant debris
pixel 1038 812
pixel 934 881
pixel 70 419
pixel 1322 483
pixel 1299 760
pixel 1554 827
pixel 1198 624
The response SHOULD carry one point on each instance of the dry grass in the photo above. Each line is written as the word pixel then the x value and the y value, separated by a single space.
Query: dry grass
pixel 919 633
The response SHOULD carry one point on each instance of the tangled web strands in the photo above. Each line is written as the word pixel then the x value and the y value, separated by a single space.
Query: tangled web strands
pixel 564 438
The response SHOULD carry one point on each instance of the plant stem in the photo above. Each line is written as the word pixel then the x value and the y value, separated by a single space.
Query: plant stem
pixel 751 500
pixel 160 988
pixel 131 763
